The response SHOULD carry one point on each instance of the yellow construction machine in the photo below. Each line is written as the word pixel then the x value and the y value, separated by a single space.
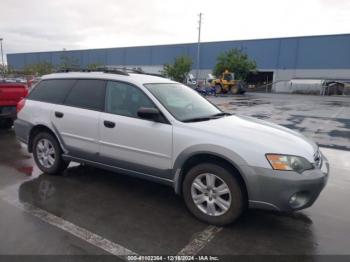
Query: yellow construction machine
pixel 226 84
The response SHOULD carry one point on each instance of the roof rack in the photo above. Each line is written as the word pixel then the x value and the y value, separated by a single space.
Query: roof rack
pixel 123 69
pixel 100 69
pixel 111 70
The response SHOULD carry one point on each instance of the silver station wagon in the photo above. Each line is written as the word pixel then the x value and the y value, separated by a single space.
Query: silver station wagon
pixel 157 129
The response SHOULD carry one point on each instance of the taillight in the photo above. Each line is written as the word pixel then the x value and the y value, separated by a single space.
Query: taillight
pixel 26 91
pixel 20 105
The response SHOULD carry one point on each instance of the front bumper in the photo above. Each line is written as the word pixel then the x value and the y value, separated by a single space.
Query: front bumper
pixel 286 190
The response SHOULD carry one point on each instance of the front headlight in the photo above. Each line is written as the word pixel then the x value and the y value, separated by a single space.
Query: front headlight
pixel 288 163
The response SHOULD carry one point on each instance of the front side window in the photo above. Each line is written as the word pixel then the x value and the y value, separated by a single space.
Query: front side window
pixel 182 102
pixel 52 91
pixel 87 93
pixel 125 99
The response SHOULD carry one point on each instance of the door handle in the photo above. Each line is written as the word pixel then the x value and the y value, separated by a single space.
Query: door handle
pixel 109 124
pixel 58 114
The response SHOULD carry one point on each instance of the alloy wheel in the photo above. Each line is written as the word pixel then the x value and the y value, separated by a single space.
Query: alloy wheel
pixel 211 194
pixel 45 153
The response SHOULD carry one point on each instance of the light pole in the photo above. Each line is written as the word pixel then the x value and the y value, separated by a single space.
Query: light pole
pixel 199 44
pixel 2 59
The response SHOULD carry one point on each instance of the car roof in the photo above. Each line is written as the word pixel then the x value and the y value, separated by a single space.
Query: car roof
pixel 138 79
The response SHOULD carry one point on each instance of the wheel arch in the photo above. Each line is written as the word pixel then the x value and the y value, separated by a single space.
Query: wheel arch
pixel 187 160
pixel 41 128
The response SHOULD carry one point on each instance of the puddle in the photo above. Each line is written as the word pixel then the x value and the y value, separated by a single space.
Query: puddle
pixel 249 102
pixel 339 133
pixel 27 170
pixel 337 103
pixel 262 116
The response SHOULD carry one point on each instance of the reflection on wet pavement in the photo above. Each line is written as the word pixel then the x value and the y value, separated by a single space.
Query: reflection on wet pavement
pixel 14 154
pixel 87 197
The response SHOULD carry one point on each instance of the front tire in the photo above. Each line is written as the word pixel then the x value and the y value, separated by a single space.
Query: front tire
pixel 48 154
pixel 213 194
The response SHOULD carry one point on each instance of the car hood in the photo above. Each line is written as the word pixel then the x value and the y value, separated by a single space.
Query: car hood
pixel 254 135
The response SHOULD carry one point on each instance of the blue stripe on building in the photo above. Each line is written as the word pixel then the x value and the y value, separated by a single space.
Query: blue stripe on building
pixel 311 52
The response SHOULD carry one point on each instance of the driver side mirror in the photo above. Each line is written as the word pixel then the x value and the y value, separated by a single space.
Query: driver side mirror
pixel 149 113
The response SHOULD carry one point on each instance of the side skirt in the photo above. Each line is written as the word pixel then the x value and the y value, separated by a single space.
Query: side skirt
pixel 123 171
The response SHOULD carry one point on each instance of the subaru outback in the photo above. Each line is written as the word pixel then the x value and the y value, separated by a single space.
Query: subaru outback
pixel 157 129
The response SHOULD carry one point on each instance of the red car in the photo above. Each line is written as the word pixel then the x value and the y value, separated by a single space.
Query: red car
pixel 10 95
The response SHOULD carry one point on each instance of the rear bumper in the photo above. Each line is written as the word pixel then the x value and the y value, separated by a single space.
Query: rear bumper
pixel 22 129
pixel 286 190
pixel 8 112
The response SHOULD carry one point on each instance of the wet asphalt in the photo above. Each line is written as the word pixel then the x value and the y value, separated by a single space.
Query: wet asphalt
pixel 325 119
pixel 149 218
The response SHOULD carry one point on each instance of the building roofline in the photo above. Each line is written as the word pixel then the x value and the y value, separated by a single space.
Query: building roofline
pixel 183 44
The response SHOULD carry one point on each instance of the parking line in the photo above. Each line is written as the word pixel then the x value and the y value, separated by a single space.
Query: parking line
pixel 81 233
pixel 10 195
pixel 200 241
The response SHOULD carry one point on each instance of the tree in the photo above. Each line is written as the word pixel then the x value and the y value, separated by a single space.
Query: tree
pixel 3 69
pixel 41 68
pixel 68 62
pixel 10 69
pixel 236 61
pixel 179 69
pixel 93 66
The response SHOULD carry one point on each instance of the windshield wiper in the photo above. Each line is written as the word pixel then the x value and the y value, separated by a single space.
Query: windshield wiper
pixel 206 118
pixel 197 119
pixel 221 114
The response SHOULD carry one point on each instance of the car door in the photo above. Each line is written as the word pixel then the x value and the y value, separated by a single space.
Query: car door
pixel 77 119
pixel 132 143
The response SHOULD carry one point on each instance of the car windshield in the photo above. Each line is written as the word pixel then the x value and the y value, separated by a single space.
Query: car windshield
pixel 184 103
pixel 228 77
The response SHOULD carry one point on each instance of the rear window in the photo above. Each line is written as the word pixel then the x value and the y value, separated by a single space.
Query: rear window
pixel 52 91
pixel 89 94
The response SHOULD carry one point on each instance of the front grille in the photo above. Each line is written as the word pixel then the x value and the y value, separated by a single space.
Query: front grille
pixel 318 159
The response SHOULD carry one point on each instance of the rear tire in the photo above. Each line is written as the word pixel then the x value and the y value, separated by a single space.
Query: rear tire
pixel 48 154
pixel 219 202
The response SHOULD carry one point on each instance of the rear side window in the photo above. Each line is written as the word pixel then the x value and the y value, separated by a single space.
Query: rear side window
pixel 52 91
pixel 89 94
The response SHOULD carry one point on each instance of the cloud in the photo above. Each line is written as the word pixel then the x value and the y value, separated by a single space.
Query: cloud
pixel 35 25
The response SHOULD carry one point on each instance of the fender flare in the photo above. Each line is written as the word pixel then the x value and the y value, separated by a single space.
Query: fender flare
pixel 52 129
pixel 221 152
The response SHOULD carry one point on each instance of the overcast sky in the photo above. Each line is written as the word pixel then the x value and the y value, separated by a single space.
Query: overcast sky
pixel 34 25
